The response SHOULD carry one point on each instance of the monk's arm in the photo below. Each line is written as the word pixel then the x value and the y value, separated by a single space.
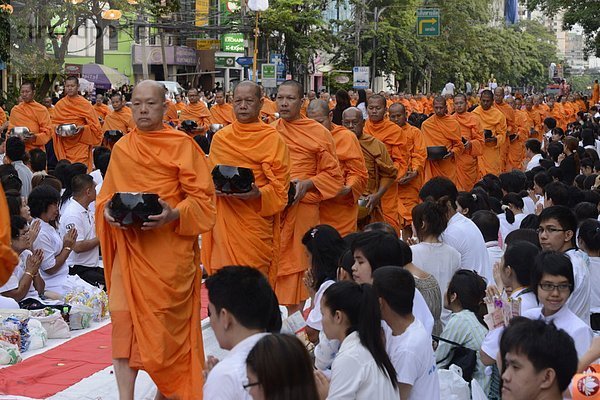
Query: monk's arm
pixel 274 195
pixel 329 179
pixel 358 177
pixel 45 133
pixel 419 153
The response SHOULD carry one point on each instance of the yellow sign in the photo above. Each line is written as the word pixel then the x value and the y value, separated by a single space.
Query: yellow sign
pixel 208 44
pixel 202 9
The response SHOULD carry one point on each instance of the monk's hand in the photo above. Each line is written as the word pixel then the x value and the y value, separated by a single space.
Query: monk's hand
pixel 345 190
pixel 410 175
pixel 468 145
pixel 254 193
pixel 111 221
pixel 80 129
pixel 301 188
pixel 448 155
pixel 167 215
pixel 373 201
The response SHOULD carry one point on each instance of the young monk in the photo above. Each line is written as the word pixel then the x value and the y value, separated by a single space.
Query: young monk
pixel 121 118
pixel 509 114
pixel 494 122
pixel 152 273
pixel 467 168
pixel 196 111
pixel 32 115
pixel 221 113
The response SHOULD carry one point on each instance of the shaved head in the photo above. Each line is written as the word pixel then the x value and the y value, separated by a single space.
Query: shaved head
pixel 397 107
pixel 296 85
pixel 352 119
pixel 353 112
pixel 245 84
pixel 440 106
pixel 397 114
pixel 319 111
pixel 148 105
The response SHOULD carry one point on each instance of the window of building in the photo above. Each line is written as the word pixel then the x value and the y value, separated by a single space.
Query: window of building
pixel 113 38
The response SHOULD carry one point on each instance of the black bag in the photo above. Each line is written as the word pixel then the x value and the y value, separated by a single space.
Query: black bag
pixel 462 356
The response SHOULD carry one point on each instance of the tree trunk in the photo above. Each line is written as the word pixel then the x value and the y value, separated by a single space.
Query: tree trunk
pixel 99 56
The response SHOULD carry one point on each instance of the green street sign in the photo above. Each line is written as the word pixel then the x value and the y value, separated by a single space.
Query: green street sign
pixel 224 62
pixel 428 22
pixel 232 42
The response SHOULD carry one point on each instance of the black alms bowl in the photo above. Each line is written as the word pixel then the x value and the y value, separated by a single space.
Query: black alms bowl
pixel 436 152
pixel 188 125
pixel 229 179
pixel 113 135
pixel 129 208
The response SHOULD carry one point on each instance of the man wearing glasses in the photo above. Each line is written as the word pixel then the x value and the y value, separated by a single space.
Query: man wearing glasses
pixel 557 231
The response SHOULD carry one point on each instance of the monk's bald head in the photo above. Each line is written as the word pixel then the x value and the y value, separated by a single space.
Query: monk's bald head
pixel 460 103
pixel 289 100
pixel 439 106
pixel 499 95
pixel 247 102
pixel 296 85
pixel 256 89
pixel 148 105
pixel 319 111
pixel 352 119
pixel 377 106
pixel 487 99
pixel 72 86
pixel 397 114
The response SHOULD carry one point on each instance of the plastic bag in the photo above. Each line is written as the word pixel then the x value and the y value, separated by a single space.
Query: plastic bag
pixel 13 324
pixel 477 392
pixel 92 297
pixel 452 385
pixel 53 322
pixel 37 334
pixel 80 317
pixel 9 353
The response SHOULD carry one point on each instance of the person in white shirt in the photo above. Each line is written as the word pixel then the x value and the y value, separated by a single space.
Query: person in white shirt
pixel 242 308
pixel 589 242
pixel 362 368
pixel 557 229
pixel 407 343
pixel 448 89
pixel 83 260
pixel 533 153
pixel 15 153
pixel 461 233
pixel 489 225
pixel 510 220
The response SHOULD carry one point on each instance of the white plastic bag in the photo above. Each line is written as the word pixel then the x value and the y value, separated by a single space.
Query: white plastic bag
pixel 37 334
pixel 80 317
pixel 53 323
pixel 452 385
pixel 9 353
pixel 477 392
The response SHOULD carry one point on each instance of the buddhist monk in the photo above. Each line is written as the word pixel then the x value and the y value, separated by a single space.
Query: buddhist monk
pixel 522 127
pixel 152 271
pixel 493 123
pixel 595 93
pixel 410 184
pixel 316 175
pixel 196 111
pixel 555 112
pixel 101 109
pixel 509 114
pixel 353 97
pixel 541 107
pixel 467 168
pixel 179 103
pixel 221 112
pixel 569 110
pixel 341 212
pixel 8 258
pixel 47 102
pixel 32 115
pixel 3 118
pixel 310 96
pixel 268 113
pixel 75 109
pixel 391 135
pixel 248 224
pixel 382 173
pixel 580 102
pixel 535 117
pixel 171 116
pixel 121 118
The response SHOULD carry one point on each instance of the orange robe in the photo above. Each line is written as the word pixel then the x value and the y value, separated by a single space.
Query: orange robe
pixel 595 94
pixel 197 112
pixel 8 258
pixel 570 112
pixel 559 116
pixel 442 131
pixel 304 106
pixel 419 106
pixel 121 120
pixel 542 109
pixel 391 135
pixel 312 151
pixel 492 119
pixel 268 110
pixel 153 277
pixel 408 193
pixel 180 106
pixel 34 116
pixel 76 110
pixel 3 118
pixel 171 116
pixel 428 106
pixel 450 105
pixel 537 120
pixel 509 114
pixel 467 167
pixel 341 212
pixel 581 104
pixel 221 114
pixel 51 112
pixel 516 151
pixel 102 110
pixel 247 231
pixel 407 107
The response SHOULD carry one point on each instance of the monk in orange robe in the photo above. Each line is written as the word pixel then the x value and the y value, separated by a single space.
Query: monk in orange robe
pixel 101 109
pixel 419 106
pixel 248 224
pixel 391 135
pixel 523 125
pixel 121 118
pixel 75 109
pixel 410 184
pixel 353 97
pixel 382 173
pixel 595 93
pixel 428 105
pixel 8 258
pixel 316 175
pixel 536 118
pixel 47 102
pixel 34 116
pixel 179 103
pixel 196 111
pixel 442 130
pixel 509 114
pixel 268 112
pixel 341 212
pixel 221 112
pixel 556 113
pixel 310 96
pixel 406 103
pixel 152 272
pixel 493 123
pixel 449 104
pixel 3 118
pixel 467 167
pixel 541 107
pixel 570 110
pixel 171 116
pixel 580 102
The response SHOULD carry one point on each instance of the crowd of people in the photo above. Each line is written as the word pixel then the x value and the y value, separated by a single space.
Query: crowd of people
pixel 383 220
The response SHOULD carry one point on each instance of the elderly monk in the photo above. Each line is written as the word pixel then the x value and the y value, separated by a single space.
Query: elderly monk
pixel 196 111
pixel 32 115
pixel 523 125
pixel 47 102
pixel 152 272
pixel 248 224
pixel 8 258
pixel 467 168
pixel 380 167
pixel 493 123
pixel 410 184
pixel 317 176
pixel 442 130
pixel 535 117
pixel 509 114
pixel 101 109
pixel 391 135
pixel 121 118
pixel 341 212
pixel 75 109
pixel 221 112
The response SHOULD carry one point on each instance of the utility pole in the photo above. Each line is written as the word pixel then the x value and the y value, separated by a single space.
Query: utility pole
pixel 374 52
pixel 143 38
pixel 164 55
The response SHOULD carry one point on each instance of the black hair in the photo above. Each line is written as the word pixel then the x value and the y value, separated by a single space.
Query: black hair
pixel 439 187
pixel 587 162
pixel 488 224
pixel 37 160
pixel 15 148
pixel 40 198
pixel 553 263
pixel 362 96
pixel 379 248
pixel 523 235
pixel 579 181
pixel 81 182
pixel 397 287
pixel 98 152
pixel 11 182
pixel 530 221
pixel 71 171
pixel 563 215
pixel 326 246
pixel 246 294
pixel 490 183
pixel 589 181
pixel 512 182
pixel 555 149
pixel 14 201
pixel 591 196
pixel 514 199
pixel 407 256
pixel 347 261
pixel 380 226
pixel 469 288
pixel 585 210
pixel 558 192
pixel 60 171
pixel 542 179
pixel 16 224
pixel 544 345
pixel 534 145
pixel 473 201
pixel 430 218
pixel 359 303
pixel 102 163
pixel 589 233
pixel 520 257
pixel 550 123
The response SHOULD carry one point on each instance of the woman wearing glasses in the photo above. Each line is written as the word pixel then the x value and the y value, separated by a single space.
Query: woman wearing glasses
pixel 552 281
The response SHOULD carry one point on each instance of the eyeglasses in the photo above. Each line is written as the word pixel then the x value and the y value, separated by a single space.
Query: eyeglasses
pixel 549 287
pixel 248 385
pixel 549 229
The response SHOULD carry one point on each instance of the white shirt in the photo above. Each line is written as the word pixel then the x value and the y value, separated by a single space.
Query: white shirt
pixel 75 216
pixel 50 243
pixel 595 277
pixel 495 253
pixel 97 175
pixel 15 278
pixel 506 227
pixel 314 319
pixel 565 319
pixel 448 89
pixel 437 259
pixel 529 205
pixel 580 300
pixel 25 175
pixel 464 236
pixel 225 381
pixel 534 162
pixel 412 355
pixel 355 375
pixel 363 108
